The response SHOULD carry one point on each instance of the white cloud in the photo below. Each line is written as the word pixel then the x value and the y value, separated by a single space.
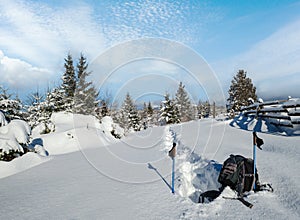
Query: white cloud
pixel 278 55
pixel 272 63
pixel 42 35
pixel 20 75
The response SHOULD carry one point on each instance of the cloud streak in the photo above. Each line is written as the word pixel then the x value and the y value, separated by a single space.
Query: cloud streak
pixel 272 63
pixel 40 34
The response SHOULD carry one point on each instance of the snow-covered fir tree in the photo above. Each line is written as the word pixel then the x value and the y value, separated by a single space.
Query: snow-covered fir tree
pixel 150 110
pixel 147 115
pixel 151 115
pixel 102 110
pixel 240 91
pixel 134 119
pixel 85 94
pixel 183 103
pixel 203 109
pixel 34 109
pixel 40 112
pixel 55 98
pixel 144 116
pixel 128 115
pixel 169 112
pixel 12 107
pixel 69 83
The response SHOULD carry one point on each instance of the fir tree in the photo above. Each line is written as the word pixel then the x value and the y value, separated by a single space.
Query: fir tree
pixel 128 117
pixel 150 109
pixel 12 107
pixel 240 91
pixel 35 97
pixel 85 94
pixel 102 110
pixel 169 112
pixel 56 100
pixel 201 110
pixel 40 112
pixel 134 119
pixel 34 109
pixel 4 93
pixel 183 104
pixel 69 81
pixel 144 116
pixel 147 115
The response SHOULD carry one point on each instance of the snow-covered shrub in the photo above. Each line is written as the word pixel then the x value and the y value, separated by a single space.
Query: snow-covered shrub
pixel 110 127
pixel 169 112
pixel 39 116
pixel 14 137
pixel 3 121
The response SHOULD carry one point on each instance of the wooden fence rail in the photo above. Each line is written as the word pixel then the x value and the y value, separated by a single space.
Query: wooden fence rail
pixel 279 112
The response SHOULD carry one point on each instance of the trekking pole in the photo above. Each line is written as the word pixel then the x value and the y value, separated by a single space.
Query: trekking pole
pixel 172 154
pixel 173 175
pixel 257 142
pixel 254 159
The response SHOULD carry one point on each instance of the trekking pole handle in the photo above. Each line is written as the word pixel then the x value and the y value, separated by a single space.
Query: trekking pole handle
pixel 255 140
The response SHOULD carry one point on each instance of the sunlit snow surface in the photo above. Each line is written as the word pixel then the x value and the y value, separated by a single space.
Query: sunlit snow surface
pixel 130 178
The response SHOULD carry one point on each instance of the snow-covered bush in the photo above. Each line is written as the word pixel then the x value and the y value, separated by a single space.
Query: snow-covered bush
pixel 3 121
pixel 14 137
pixel 169 112
pixel 39 116
pixel 109 126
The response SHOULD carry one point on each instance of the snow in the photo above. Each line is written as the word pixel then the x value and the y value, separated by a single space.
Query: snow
pixel 73 129
pixel 13 134
pixel 3 121
pixel 292 102
pixel 169 139
pixel 20 164
pixel 91 175
pixel 268 125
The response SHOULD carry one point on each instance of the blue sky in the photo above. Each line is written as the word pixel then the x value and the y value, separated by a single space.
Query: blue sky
pixel 262 37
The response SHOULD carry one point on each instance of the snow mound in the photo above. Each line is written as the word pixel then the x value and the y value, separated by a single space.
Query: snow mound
pixel 76 132
pixel 13 134
pixel 109 127
pixel 20 164
pixel 169 138
pixel 196 174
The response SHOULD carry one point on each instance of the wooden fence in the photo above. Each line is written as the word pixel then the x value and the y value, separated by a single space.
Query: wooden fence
pixel 280 112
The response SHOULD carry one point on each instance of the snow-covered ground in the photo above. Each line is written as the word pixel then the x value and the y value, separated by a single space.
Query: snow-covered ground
pixel 90 175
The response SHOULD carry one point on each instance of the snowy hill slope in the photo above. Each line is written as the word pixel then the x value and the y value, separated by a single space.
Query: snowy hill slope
pixel 72 128
pixel 130 179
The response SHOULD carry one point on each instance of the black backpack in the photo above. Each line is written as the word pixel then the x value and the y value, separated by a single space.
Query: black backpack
pixel 237 173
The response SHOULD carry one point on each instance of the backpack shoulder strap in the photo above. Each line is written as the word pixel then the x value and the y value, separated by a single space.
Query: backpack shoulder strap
pixel 241 178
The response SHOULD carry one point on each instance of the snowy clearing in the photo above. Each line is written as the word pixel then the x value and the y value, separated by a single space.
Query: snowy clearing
pixel 94 178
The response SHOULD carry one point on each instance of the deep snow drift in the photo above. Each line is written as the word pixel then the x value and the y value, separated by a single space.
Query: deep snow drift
pixel 91 175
